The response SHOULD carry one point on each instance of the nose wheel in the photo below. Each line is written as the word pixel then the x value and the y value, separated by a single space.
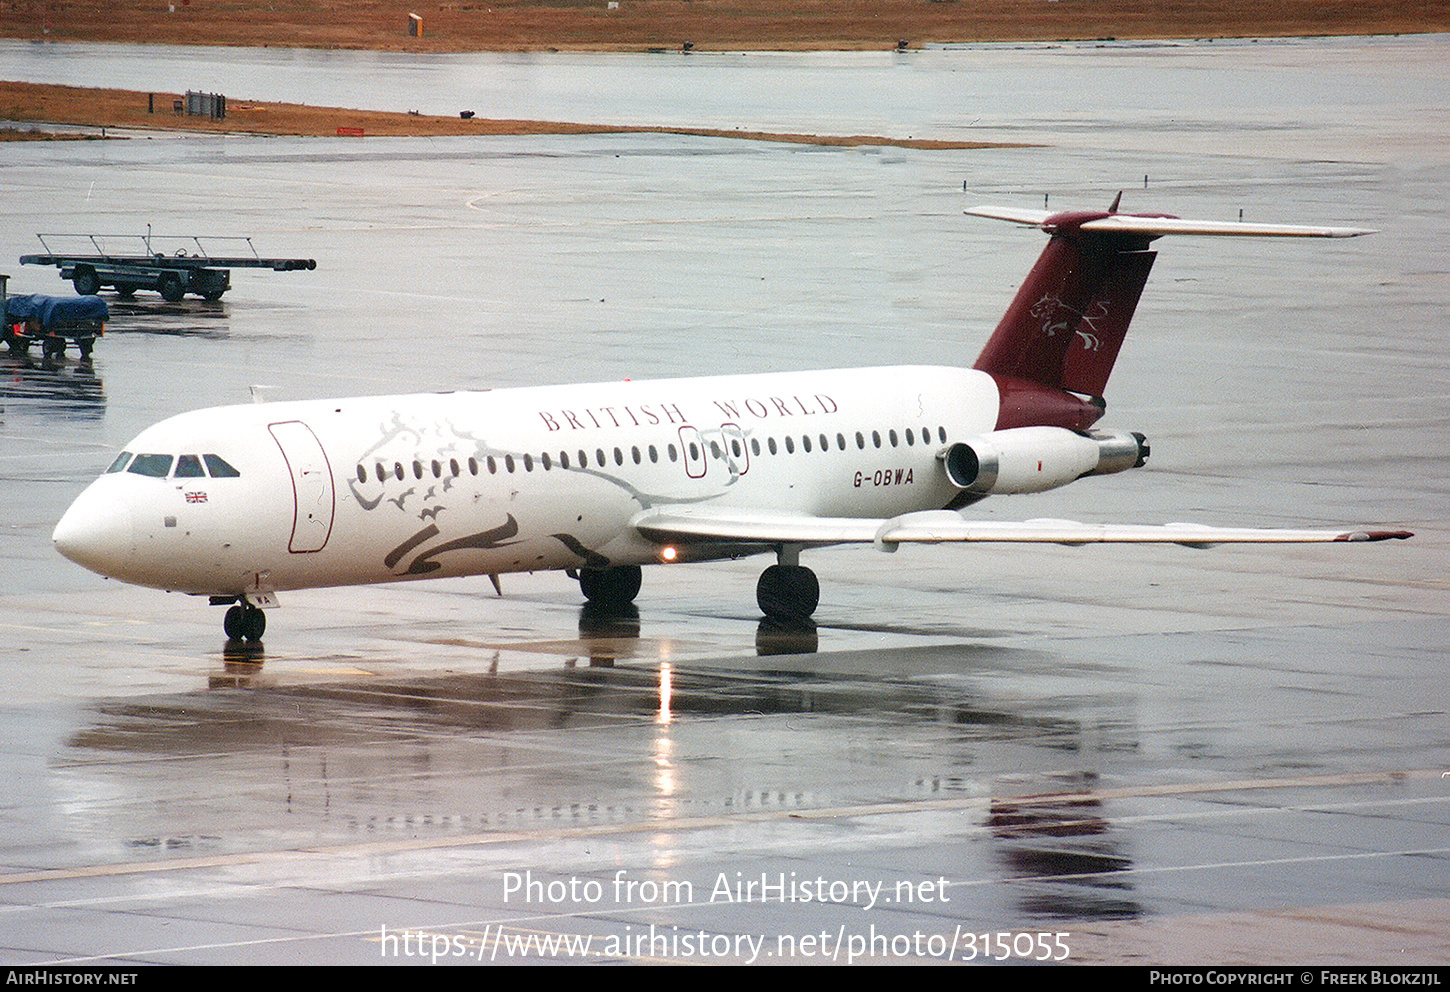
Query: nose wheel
pixel 244 622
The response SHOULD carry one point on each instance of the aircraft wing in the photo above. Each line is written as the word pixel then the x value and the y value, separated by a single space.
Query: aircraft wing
pixel 685 525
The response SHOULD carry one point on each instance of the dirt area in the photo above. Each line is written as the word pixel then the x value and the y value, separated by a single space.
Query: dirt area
pixel 70 105
pixel 502 25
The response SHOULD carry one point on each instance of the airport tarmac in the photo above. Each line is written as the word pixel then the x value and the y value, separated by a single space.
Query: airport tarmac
pixel 1092 755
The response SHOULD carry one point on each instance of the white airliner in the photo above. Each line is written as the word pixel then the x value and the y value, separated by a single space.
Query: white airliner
pixel 239 503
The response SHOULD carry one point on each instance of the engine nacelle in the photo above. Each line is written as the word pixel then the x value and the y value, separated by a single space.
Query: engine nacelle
pixel 1035 459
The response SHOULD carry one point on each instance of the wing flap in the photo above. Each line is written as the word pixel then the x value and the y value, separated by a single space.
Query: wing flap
pixel 691 524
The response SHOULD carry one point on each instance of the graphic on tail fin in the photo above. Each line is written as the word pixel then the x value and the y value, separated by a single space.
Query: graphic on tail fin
pixel 1054 348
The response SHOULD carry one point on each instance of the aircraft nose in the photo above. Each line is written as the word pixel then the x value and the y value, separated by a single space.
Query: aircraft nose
pixel 96 533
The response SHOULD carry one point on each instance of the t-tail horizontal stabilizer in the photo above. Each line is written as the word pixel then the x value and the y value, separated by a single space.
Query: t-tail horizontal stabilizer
pixel 1101 222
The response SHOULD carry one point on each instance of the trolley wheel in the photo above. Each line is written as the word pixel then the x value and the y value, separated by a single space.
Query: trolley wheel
pixel 171 288
pixel 85 280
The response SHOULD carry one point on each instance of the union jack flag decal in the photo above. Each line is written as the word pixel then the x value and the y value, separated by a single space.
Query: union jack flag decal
pixel 197 497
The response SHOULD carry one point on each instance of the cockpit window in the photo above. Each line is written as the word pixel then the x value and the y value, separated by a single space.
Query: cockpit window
pixel 155 466
pixel 120 463
pixel 218 467
pixel 189 467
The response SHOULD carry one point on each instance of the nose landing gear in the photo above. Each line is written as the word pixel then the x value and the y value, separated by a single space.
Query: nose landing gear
pixel 244 622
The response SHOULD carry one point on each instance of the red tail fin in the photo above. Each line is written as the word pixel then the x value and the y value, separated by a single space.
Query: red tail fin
pixel 1055 346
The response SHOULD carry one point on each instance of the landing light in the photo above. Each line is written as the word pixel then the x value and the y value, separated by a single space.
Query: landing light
pixel 669 553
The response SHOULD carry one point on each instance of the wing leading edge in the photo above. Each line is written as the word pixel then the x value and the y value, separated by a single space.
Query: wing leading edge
pixel 686 525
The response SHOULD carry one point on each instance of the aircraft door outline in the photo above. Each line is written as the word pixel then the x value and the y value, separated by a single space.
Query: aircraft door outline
pixel 737 449
pixel 692 451
pixel 314 499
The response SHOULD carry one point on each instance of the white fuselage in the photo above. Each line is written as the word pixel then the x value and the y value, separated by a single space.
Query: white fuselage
pixel 376 489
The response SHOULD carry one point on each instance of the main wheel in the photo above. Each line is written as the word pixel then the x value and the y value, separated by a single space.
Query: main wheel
pixel 611 586
pixel 788 592
pixel 85 280
pixel 171 288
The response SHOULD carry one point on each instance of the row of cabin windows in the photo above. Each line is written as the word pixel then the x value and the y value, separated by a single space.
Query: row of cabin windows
pixel 186 466
pixel 511 463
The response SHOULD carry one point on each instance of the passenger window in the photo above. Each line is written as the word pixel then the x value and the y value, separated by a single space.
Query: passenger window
pixel 789 445
pixel 120 463
pixel 806 441
pixel 892 435
pixel 152 466
pixel 218 468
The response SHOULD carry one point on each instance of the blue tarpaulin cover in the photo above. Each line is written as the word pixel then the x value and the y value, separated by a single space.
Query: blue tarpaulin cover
pixel 55 311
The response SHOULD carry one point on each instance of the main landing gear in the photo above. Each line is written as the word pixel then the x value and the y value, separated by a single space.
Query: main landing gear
pixel 244 622
pixel 611 587
pixel 788 590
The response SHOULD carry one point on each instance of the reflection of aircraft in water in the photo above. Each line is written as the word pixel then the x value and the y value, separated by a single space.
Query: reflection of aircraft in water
pixel 1065 856
pixel 239 503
